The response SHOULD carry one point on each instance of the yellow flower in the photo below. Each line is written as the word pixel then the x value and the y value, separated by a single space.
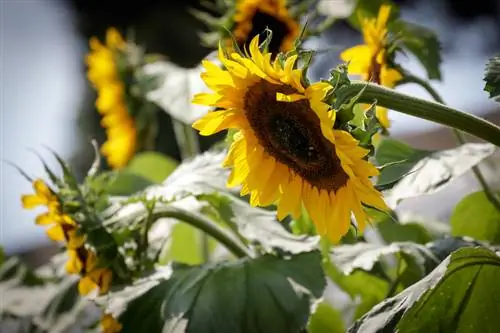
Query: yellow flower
pixel 254 16
pixel 62 226
pixel 370 59
pixel 94 277
pixel 43 196
pixel 76 260
pixel 103 73
pixel 286 149
pixel 110 325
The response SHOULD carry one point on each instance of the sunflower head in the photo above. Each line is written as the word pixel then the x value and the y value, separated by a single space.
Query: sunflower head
pixel 286 150
pixel 253 17
pixel 372 60
pixel 244 19
pixel 127 117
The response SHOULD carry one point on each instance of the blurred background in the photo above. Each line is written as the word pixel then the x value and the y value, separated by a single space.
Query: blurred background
pixel 45 99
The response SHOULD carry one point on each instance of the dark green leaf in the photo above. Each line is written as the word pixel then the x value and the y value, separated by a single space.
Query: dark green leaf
pixel 458 295
pixel 492 78
pixel 152 166
pixel 465 300
pixel 398 159
pixel 475 216
pixel 442 248
pixel 422 42
pixel 433 173
pixel 266 294
pixel 325 319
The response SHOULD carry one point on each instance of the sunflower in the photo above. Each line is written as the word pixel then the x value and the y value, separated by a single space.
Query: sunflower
pixel 370 59
pixel 93 277
pixel 62 226
pixel 285 149
pixel 104 74
pixel 252 17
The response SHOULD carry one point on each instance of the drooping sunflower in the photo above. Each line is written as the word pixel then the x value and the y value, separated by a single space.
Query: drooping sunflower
pixel 286 150
pixel 62 228
pixel 103 73
pixel 370 60
pixel 252 17
pixel 85 262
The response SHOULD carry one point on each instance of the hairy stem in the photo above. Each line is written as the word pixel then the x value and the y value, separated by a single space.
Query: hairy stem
pixel 420 108
pixel 207 227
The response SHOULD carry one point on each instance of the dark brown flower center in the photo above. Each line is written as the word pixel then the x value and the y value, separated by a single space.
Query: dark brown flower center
pixel 261 21
pixel 291 133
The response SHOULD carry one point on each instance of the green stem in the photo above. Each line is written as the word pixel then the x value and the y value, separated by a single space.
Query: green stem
pixel 408 78
pixel 208 227
pixel 420 108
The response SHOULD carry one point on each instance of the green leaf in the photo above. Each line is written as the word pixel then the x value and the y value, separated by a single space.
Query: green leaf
pixel 183 245
pixel 392 231
pixel 422 42
pixel 127 183
pixel 14 272
pixel 465 300
pixel 364 256
pixel 408 227
pixel 67 310
pixel 175 89
pixel 475 216
pixel 2 255
pixel 459 295
pixel 442 248
pixel 398 158
pixel 259 226
pixel 265 294
pixel 370 8
pixel 492 78
pixel 325 319
pixel 431 174
pixel 359 285
pixel 152 166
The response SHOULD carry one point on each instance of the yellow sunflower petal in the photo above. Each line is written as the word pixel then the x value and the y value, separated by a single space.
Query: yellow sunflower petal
pixel 110 325
pixel 31 201
pixel 86 285
pixel 74 264
pixel 216 121
pixel 45 219
pixel 56 233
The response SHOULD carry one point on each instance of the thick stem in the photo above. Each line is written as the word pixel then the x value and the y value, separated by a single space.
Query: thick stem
pixel 458 135
pixel 208 227
pixel 417 107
